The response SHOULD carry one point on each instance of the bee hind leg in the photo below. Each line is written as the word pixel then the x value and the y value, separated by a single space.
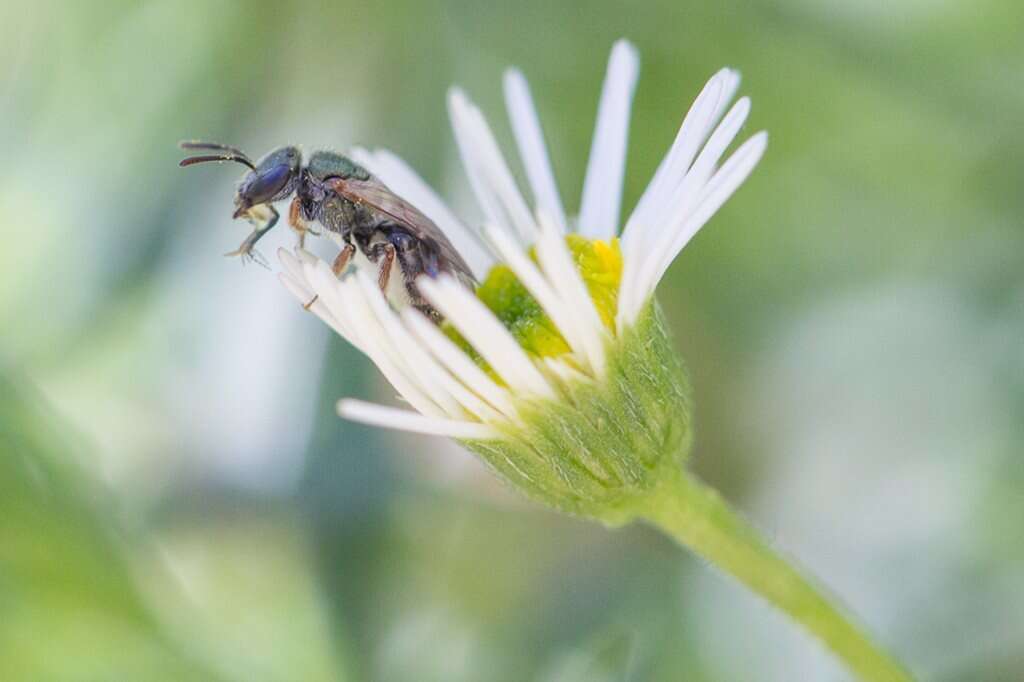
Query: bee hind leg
pixel 416 259
pixel 384 255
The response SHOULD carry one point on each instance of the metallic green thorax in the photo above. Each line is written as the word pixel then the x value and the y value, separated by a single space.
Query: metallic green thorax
pixel 324 164
pixel 601 445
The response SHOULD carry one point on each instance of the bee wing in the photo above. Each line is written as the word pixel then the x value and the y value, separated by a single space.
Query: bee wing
pixel 375 194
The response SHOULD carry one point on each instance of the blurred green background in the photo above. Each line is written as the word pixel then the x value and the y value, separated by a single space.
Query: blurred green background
pixel 178 500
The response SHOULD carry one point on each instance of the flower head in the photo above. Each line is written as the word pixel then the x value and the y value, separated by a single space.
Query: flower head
pixel 557 370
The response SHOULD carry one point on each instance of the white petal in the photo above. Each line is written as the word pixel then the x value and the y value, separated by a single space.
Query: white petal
pixel 347 305
pixel 407 183
pixel 559 268
pixel 482 329
pixel 531 278
pixel 304 296
pixel 729 177
pixel 709 156
pixel 673 193
pixel 305 256
pixel 452 357
pixel 532 150
pixel 379 347
pixel 404 420
pixel 715 193
pixel 602 188
pixel 406 351
pixel 292 266
pixel 492 181
pixel 566 374
pixel 674 206
pixel 470 401
pixel 299 291
pixel 694 130
pixel 326 302
pixel 444 389
pixel 639 281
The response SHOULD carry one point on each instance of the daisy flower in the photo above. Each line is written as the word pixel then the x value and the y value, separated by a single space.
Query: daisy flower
pixel 558 370
pixel 564 309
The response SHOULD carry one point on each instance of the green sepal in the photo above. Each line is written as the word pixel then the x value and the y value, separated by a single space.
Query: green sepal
pixel 600 444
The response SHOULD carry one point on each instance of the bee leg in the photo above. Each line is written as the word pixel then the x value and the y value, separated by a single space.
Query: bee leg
pixel 384 255
pixel 297 224
pixel 295 221
pixel 341 261
pixel 415 259
pixel 260 227
pixel 337 267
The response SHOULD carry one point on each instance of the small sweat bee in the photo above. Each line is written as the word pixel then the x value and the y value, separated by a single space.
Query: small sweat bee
pixel 356 209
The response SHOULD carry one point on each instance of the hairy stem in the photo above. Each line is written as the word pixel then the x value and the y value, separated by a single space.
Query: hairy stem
pixel 697 517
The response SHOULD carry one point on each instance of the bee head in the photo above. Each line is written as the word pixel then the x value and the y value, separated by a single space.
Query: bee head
pixel 272 178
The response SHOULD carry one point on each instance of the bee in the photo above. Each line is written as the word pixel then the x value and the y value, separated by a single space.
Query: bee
pixel 363 216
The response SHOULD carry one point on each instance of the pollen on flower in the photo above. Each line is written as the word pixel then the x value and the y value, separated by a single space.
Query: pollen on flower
pixel 599 264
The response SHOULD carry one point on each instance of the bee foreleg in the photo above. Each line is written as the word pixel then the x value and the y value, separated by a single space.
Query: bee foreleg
pixel 261 225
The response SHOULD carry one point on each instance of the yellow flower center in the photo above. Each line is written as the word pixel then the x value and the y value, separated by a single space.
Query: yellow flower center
pixel 598 262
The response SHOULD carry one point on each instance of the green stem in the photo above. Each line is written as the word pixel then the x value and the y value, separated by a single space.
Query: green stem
pixel 697 517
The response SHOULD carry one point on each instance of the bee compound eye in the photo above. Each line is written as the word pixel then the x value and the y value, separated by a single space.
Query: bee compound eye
pixel 267 184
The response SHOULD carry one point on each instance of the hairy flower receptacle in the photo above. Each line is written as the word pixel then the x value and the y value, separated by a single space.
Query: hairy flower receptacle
pixel 602 444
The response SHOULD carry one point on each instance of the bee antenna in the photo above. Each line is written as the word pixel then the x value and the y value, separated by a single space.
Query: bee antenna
pixel 200 144
pixel 244 160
